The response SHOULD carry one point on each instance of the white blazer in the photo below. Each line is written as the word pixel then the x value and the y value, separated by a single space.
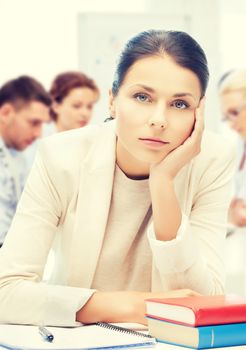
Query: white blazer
pixel 65 204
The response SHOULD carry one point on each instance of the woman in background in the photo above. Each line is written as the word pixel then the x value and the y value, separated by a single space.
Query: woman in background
pixel 232 93
pixel 136 207
pixel 74 95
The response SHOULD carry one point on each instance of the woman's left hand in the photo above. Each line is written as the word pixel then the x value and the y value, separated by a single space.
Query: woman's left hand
pixel 180 156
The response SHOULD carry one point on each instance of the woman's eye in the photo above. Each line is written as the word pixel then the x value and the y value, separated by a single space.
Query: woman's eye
pixel 142 97
pixel 180 104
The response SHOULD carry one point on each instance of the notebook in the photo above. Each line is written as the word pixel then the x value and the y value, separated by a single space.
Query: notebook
pixel 96 336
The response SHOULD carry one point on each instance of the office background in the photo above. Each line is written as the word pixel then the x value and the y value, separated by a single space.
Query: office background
pixel 43 38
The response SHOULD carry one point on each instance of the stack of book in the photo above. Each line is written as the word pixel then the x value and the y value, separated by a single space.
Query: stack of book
pixel 199 321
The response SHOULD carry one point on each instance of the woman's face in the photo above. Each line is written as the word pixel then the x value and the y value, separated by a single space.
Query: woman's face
pixel 75 110
pixel 233 106
pixel 154 111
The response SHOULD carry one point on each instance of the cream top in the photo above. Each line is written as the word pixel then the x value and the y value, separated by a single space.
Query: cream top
pixel 125 258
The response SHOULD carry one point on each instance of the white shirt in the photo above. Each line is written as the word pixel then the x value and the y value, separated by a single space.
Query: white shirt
pixel 12 178
pixel 30 153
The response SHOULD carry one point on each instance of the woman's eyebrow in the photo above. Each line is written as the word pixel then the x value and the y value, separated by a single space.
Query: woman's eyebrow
pixel 184 94
pixel 145 87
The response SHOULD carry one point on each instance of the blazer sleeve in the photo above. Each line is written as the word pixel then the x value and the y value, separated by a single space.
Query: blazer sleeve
pixel 195 258
pixel 24 298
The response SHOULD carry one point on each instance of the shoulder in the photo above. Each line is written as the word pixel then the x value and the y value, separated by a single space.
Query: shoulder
pixel 70 138
pixel 66 150
pixel 216 147
pixel 73 142
pixel 217 156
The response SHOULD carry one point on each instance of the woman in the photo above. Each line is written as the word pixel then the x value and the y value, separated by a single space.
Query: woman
pixel 232 92
pixel 135 208
pixel 74 95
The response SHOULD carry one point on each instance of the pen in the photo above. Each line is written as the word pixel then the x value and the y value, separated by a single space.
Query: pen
pixel 46 334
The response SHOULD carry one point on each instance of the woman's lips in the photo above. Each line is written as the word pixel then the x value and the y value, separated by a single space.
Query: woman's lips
pixel 152 142
pixel 82 123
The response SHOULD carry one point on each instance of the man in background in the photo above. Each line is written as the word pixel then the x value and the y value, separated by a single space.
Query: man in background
pixel 24 107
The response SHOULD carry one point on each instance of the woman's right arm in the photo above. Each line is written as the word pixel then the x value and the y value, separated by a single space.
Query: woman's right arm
pixel 24 298
pixel 125 306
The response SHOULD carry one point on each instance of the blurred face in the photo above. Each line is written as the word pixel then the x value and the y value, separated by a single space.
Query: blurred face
pixel 76 108
pixel 155 112
pixel 20 127
pixel 233 106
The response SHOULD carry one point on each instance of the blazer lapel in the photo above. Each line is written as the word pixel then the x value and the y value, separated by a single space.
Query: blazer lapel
pixel 94 198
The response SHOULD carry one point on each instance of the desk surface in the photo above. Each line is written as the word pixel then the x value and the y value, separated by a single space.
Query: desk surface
pixel 163 346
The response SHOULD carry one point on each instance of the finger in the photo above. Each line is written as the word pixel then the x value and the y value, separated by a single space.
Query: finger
pixel 199 121
pixel 202 102
pixel 199 114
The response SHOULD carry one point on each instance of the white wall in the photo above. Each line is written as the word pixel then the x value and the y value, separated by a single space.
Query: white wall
pixel 39 37
pixel 36 39
pixel 232 43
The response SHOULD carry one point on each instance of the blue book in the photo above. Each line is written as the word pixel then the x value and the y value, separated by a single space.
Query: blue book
pixel 214 336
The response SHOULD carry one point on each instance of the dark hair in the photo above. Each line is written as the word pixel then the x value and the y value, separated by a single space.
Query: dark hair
pixel 23 90
pixel 183 49
pixel 65 82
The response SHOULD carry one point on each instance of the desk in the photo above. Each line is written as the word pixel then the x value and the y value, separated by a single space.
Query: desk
pixel 162 346
pixel 95 332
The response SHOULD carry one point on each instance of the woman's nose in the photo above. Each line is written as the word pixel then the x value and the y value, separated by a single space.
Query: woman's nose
pixel 158 119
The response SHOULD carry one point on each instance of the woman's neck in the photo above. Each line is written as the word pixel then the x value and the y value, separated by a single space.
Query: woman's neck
pixel 131 166
pixel 59 126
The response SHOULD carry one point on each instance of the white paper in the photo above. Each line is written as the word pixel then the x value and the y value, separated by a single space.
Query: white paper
pixel 84 337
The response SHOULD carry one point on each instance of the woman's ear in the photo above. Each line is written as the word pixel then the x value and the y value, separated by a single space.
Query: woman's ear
pixel 111 104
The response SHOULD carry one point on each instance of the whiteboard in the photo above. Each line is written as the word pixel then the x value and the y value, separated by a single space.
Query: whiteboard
pixel 102 37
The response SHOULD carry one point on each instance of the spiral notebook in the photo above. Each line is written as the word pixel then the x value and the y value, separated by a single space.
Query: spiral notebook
pixel 96 336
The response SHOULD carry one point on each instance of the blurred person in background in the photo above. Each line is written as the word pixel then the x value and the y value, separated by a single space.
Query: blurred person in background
pixel 232 94
pixel 74 95
pixel 24 106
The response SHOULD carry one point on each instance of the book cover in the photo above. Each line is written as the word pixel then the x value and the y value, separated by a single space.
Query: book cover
pixel 198 337
pixel 199 310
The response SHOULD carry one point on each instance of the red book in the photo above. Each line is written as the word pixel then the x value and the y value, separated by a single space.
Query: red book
pixel 199 310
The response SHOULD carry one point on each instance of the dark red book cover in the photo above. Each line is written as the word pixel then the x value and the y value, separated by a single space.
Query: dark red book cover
pixel 207 310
